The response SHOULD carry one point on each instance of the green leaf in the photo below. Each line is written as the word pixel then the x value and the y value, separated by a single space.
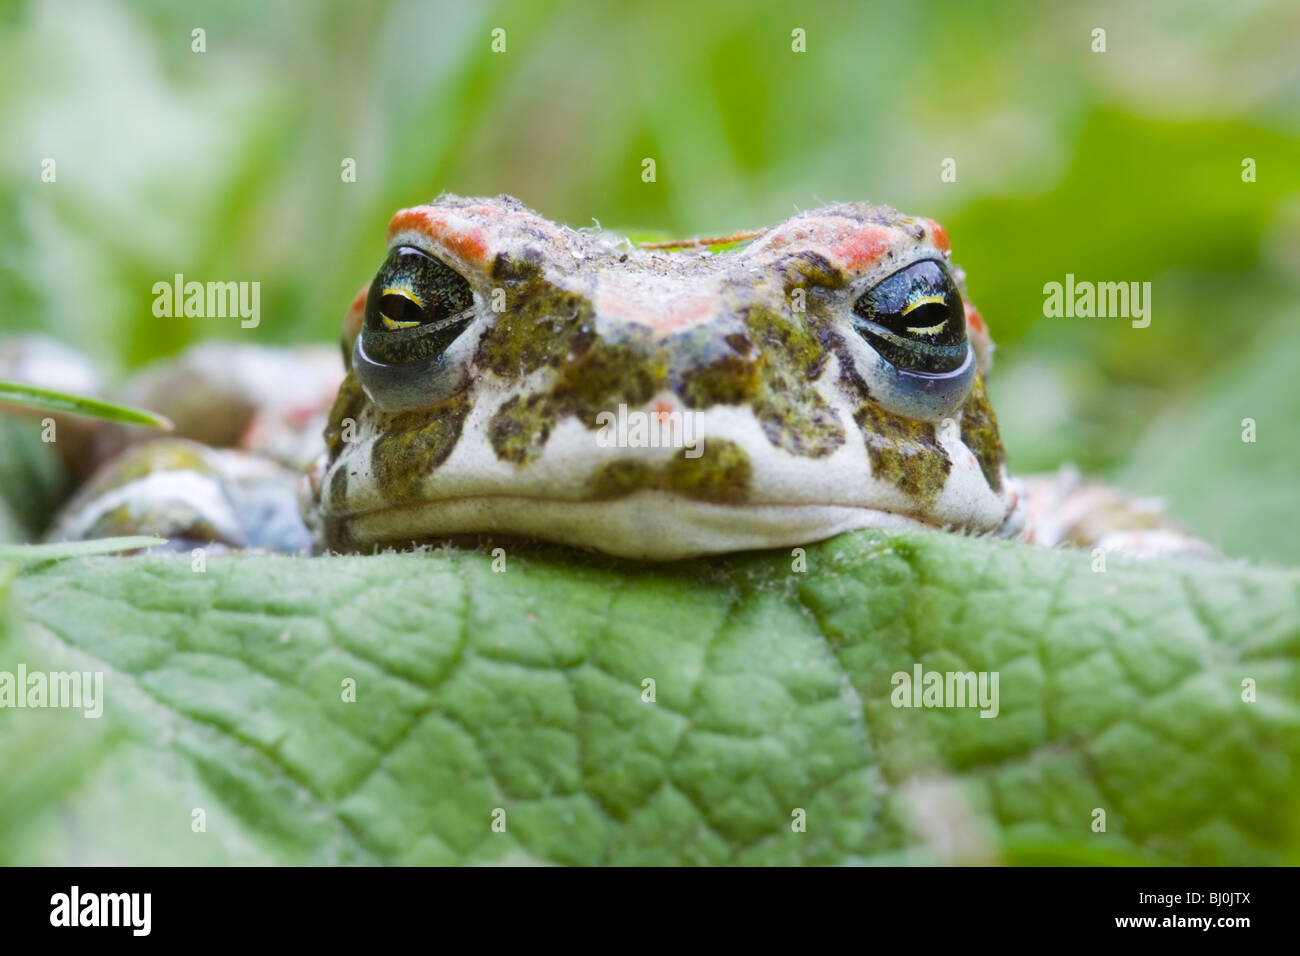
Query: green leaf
pixel 524 692
pixel 58 550
pixel 30 396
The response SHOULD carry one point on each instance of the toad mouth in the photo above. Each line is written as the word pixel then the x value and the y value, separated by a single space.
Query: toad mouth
pixel 647 524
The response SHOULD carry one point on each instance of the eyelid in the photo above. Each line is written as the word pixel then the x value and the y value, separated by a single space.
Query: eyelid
pixel 404 292
pixel 921 300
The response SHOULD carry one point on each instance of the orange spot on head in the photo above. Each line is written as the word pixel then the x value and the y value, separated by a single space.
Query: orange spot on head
pixel 359 300
pixel 860 246
pixel 618 301
pixel 420 219
pixel 939 236
pixel 354 317
pixel 851 245
pixel 683 313
pixel 468 242
pixel 470 245
pixel 974 320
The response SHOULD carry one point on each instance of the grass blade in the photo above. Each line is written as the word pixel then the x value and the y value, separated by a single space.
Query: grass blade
pixel 16 393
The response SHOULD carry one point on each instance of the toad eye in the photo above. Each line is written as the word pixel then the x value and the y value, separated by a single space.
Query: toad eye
pixel 414 291
pixel 919 363
pixel 410 352
pixel 915 319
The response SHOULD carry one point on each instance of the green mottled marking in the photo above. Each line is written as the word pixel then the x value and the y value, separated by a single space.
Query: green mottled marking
pixel 604 376
pixel 722 475
pixel 520 427
pixel 793 415
pixel 612 373
pixel 413 444
pixel 720 369
pixel 347 404
pixel 764 356
pixel 979 433
pixel 904 451
pixel 619 478
pixel 776 360
pixel 555 327
pixel 542 324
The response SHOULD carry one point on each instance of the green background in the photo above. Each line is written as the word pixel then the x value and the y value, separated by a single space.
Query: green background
pixel 1115 166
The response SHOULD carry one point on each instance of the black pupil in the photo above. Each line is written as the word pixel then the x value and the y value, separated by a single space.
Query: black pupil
pixel 915 319
pixel 413 286
pixel 400 309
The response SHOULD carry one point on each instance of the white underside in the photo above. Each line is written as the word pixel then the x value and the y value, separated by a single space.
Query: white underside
pixel 648 525
pixel 789 499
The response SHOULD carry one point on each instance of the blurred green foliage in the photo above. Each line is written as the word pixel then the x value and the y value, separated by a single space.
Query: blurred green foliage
pixel 1114 166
